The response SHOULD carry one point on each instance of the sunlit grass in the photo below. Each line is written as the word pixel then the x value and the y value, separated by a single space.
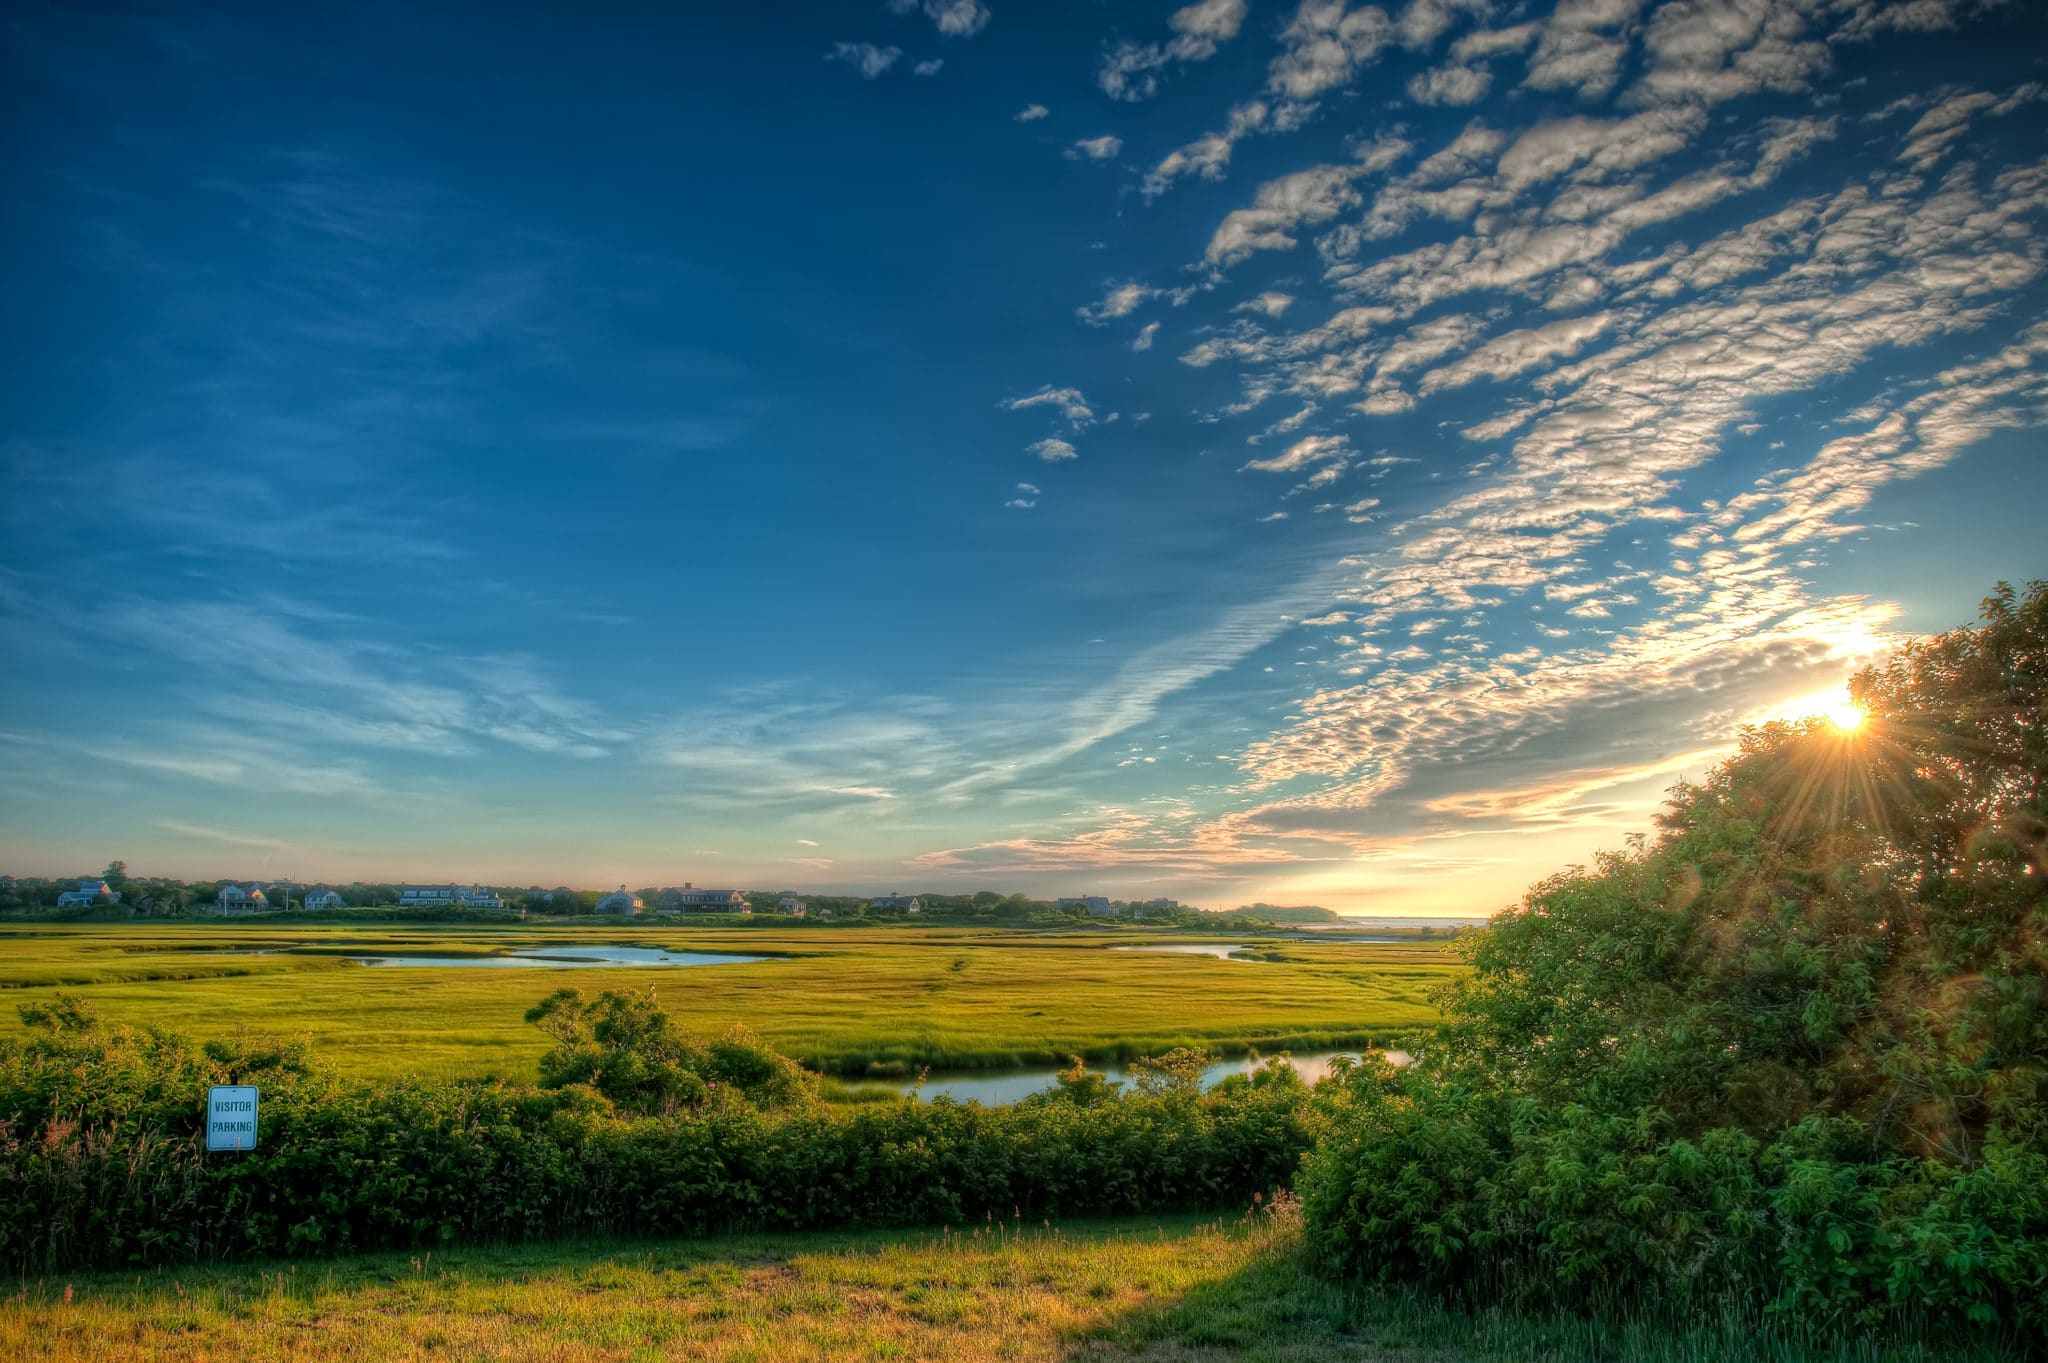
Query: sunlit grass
pixel 1170 1291
pixel 854 1001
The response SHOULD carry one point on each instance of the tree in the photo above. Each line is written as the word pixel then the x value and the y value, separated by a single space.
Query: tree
pixel 1800 1035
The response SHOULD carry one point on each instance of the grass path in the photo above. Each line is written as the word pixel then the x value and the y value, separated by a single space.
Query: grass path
pixel 1173 1291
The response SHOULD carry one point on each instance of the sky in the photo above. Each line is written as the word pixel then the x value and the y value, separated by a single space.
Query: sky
pixel 1296 452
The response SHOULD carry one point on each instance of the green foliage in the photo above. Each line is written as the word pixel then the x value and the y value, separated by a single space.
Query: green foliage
pixel 625 1047
pixel 1795 1049
pixel 101 1158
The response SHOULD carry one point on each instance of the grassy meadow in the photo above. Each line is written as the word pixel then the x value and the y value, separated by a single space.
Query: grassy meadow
pixel 850 1001
pixel 1172 1290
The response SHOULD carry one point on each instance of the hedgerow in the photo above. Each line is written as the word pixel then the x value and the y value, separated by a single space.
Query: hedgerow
pixel 102 1160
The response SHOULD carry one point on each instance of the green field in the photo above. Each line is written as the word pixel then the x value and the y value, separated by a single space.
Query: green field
pixel 850 1001
pixel 1167 1291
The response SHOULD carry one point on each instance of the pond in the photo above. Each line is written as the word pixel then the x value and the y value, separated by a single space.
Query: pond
pixel 1221 953
pixel 569 958
pixel 1007 1086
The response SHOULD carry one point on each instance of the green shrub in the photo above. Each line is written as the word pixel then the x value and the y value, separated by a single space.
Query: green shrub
pixel 1795 1051
pixel 101 1158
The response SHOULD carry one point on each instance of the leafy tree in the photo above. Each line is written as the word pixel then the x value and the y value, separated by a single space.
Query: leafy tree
pixel 1771 1048
pixel 625 1047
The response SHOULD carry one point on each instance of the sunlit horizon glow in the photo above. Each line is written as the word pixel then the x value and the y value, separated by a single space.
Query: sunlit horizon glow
pixel 1313 459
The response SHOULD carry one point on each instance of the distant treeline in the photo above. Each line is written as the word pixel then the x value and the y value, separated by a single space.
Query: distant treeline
pixel 158 898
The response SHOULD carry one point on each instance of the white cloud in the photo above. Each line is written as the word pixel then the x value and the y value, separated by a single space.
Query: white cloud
pixel 1450 85
pixel 1094 148
pixel 1030 113
pixel 1052 449
pixel 866 58
pixel 954 18
pixel 928 68
pixel 1070 402
pixel 1130 71
pixel 1143 340
pixel 1267 304
pixel 1208 154
pixel 1302 453
pixel 1324 44
pixel 1304 198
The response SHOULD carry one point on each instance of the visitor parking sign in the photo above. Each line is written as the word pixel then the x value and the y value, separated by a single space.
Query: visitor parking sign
pixel 231 1117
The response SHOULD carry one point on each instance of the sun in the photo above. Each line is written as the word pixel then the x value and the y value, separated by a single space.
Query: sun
pixel 1847 718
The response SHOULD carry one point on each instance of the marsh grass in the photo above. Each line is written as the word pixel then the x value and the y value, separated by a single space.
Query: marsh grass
pixel 1168 1291
pixel 878 1003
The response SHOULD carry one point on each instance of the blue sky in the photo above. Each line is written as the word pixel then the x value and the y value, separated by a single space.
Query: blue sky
pixel 1306 452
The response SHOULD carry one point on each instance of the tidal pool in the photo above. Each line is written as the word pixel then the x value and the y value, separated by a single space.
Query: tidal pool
pixel 1221 953
pixel 1007 1086
pixel 569 958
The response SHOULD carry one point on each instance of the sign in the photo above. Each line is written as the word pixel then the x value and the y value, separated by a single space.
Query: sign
pixel 231 1117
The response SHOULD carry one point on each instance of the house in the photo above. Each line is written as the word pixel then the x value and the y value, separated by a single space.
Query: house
pixel 620 901
pixel 236 900
pixel 906 903
pixel 90 891
pixel 790 905
pixel 690 899
pixel 1096 905
pixel 441 896
pixel 322 897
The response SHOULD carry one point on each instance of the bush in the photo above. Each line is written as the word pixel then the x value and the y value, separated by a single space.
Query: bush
pixel 101 1158
pixel 1795 1050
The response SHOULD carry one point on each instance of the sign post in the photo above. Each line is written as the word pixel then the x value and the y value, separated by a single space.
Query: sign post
pixel 231 1117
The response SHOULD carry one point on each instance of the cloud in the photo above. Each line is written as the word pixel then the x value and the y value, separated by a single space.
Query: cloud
pixel 954 18
pixel 1208 154
pixel 1027 489
pixel 221 835
pixel 1324 44
pixel 1450 85
pixel 1071 403
pixel 931 67
pixel 1020 504
pixel 1281 207
pixel 1143 340
pixel 1052 449
pixel 1030 113
pixel 1578 48
pixel 1121 300
pixel 1941 127
pixel 866 58
pixel 1268 304
pixel 1094 148
pixel 1130 71
pixel 1302 453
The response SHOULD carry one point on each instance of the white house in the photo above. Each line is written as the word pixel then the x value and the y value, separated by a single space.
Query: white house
pixel 91 890
pixel 321 897
pixel 620 901
pixel 1097 905
pixel 690 899
pixel 791 905
pixel 440 896
pixel 906 902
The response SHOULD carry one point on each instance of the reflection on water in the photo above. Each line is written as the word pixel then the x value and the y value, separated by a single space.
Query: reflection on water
pixel 1221 953
pixel 569 958
pixel 1010 1085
